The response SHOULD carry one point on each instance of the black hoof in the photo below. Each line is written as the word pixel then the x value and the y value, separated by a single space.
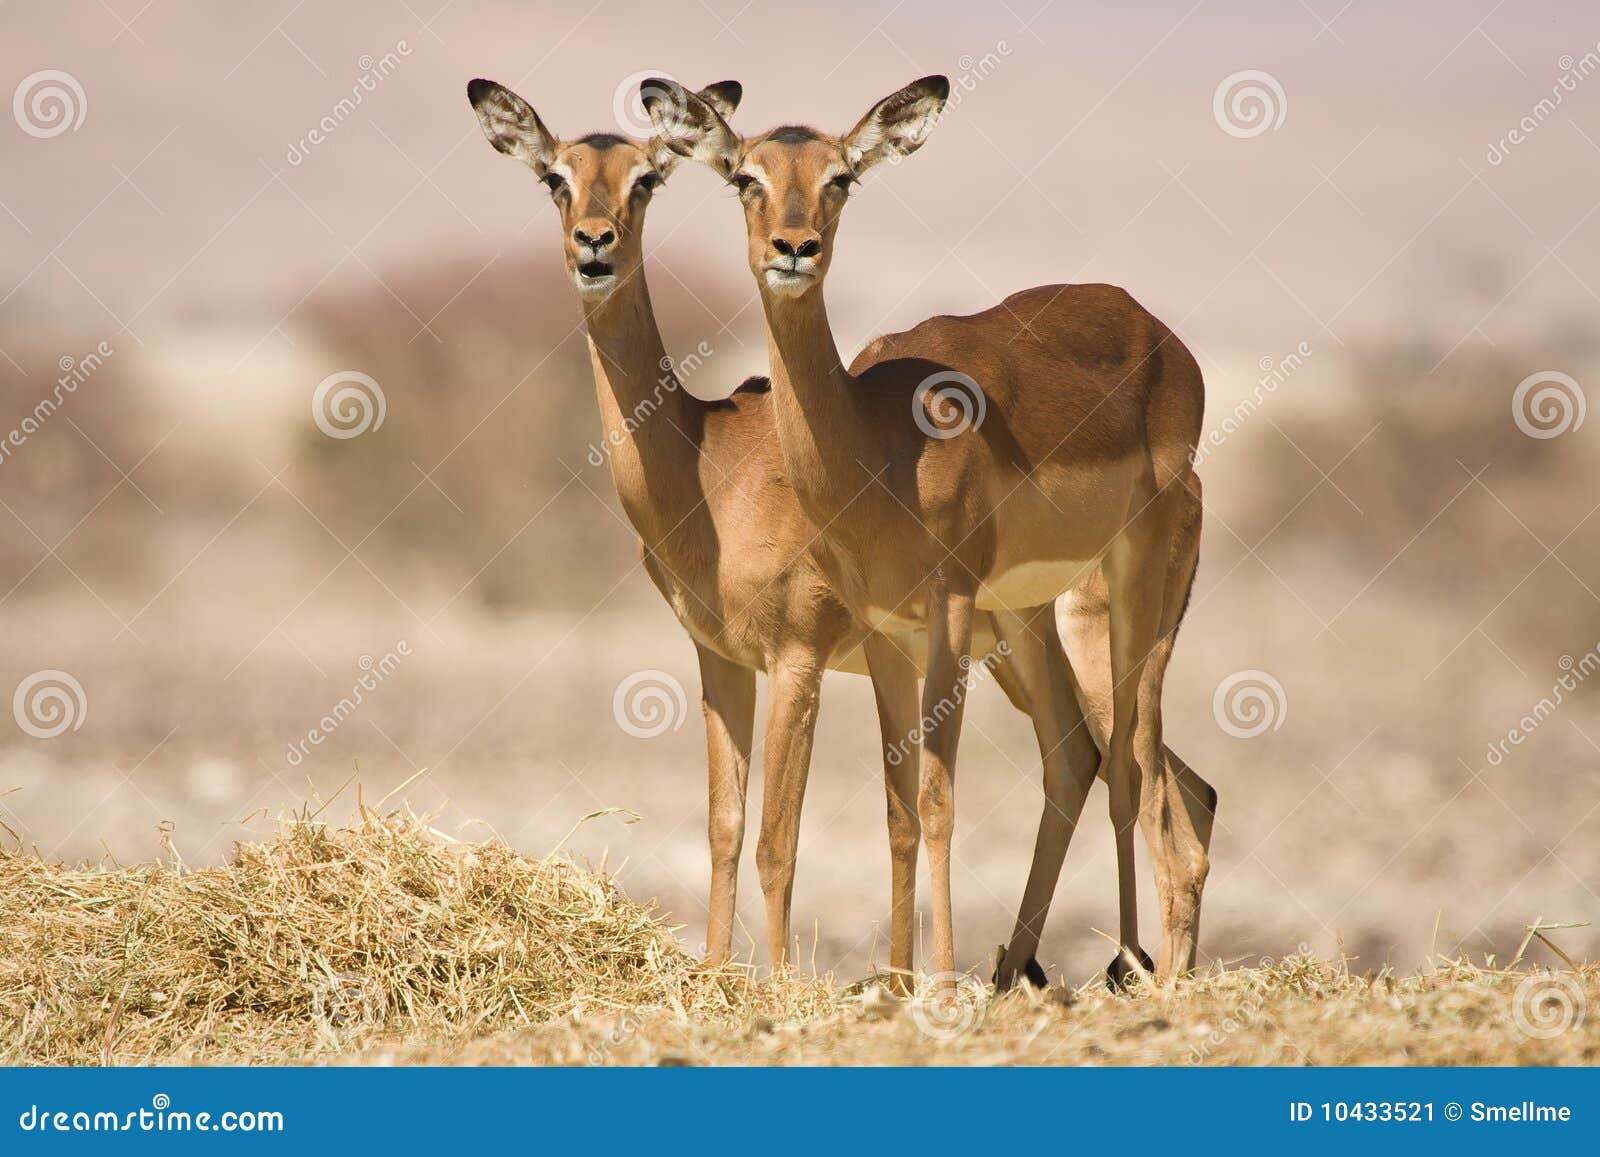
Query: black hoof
pixel 1032 971
pixel 1119 973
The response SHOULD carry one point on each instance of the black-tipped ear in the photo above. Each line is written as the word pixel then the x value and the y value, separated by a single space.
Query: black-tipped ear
pixel 689 125
pixel 724 96
pixel 511 124
pixel 898 124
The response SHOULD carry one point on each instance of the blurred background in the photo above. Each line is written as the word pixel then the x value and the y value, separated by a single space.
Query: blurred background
pixel 1375 225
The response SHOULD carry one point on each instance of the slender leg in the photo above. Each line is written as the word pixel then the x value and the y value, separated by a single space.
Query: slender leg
pixel 1176 816
pixel 1136 589
pixel 950 610
pixel 728 697
pixel 1037 665
pixel 1178 810
pixel 894 681
pixel 794 687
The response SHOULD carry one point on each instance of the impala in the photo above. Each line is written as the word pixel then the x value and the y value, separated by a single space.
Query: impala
pixel 1080 474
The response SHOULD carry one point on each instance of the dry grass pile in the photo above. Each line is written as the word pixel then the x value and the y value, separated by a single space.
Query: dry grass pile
pixel 386 942
pixel 322 941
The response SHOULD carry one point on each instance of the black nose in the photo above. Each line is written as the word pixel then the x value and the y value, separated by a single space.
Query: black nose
pixel 583 238
pixel 808 248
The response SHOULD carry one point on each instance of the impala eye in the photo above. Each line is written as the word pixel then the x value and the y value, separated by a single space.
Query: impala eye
pixel 647 182
pixel 843 182
pixel 555 182
pixel 741 181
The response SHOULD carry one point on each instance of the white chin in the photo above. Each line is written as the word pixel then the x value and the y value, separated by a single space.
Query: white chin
pixel 594 288
pixel 782 283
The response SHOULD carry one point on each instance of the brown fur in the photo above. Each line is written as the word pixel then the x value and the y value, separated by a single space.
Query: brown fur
pixel 1081 467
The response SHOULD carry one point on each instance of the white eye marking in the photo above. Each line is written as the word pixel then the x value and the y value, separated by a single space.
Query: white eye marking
pixel 756 173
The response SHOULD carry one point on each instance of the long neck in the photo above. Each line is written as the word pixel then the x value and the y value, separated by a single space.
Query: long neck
pixel 652 426
pixel 821 425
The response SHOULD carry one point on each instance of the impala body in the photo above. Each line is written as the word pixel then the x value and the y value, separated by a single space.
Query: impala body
pixel 1076 482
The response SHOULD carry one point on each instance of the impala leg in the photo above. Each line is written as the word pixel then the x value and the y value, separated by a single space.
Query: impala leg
pixel 1035 677
pixel 894 682
pixel 1136 589
pixel 794 688
pixel 950 610
pixel 1179 846
pixel 1178 807
pixel 728 697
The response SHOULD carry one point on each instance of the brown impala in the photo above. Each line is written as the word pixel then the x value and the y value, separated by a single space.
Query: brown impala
pixel 1072 476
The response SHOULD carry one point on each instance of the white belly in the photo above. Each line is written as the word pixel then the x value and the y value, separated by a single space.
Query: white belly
pixel 1032 584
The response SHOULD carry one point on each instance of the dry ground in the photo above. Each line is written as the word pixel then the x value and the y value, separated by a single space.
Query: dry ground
pixel 384 942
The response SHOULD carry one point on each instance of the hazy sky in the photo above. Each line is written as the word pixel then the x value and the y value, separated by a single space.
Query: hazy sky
pixel 1087 145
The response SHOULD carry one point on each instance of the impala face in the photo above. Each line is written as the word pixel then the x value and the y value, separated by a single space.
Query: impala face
pixel 793 182
pixel 601 183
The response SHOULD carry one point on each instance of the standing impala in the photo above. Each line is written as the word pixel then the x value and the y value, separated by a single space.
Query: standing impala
pixel 1080 466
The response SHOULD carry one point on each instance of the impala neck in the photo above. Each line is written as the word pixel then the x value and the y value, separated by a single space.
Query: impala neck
pixel 652 426
pixel 821 427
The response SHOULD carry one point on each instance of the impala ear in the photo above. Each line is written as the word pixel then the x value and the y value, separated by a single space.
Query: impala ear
pixel 689 125
pixel 511 124
pixel 724 97
pixel 897 124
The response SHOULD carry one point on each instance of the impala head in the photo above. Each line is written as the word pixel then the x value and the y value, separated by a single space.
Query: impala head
pixel 601 183
pixel 793 181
